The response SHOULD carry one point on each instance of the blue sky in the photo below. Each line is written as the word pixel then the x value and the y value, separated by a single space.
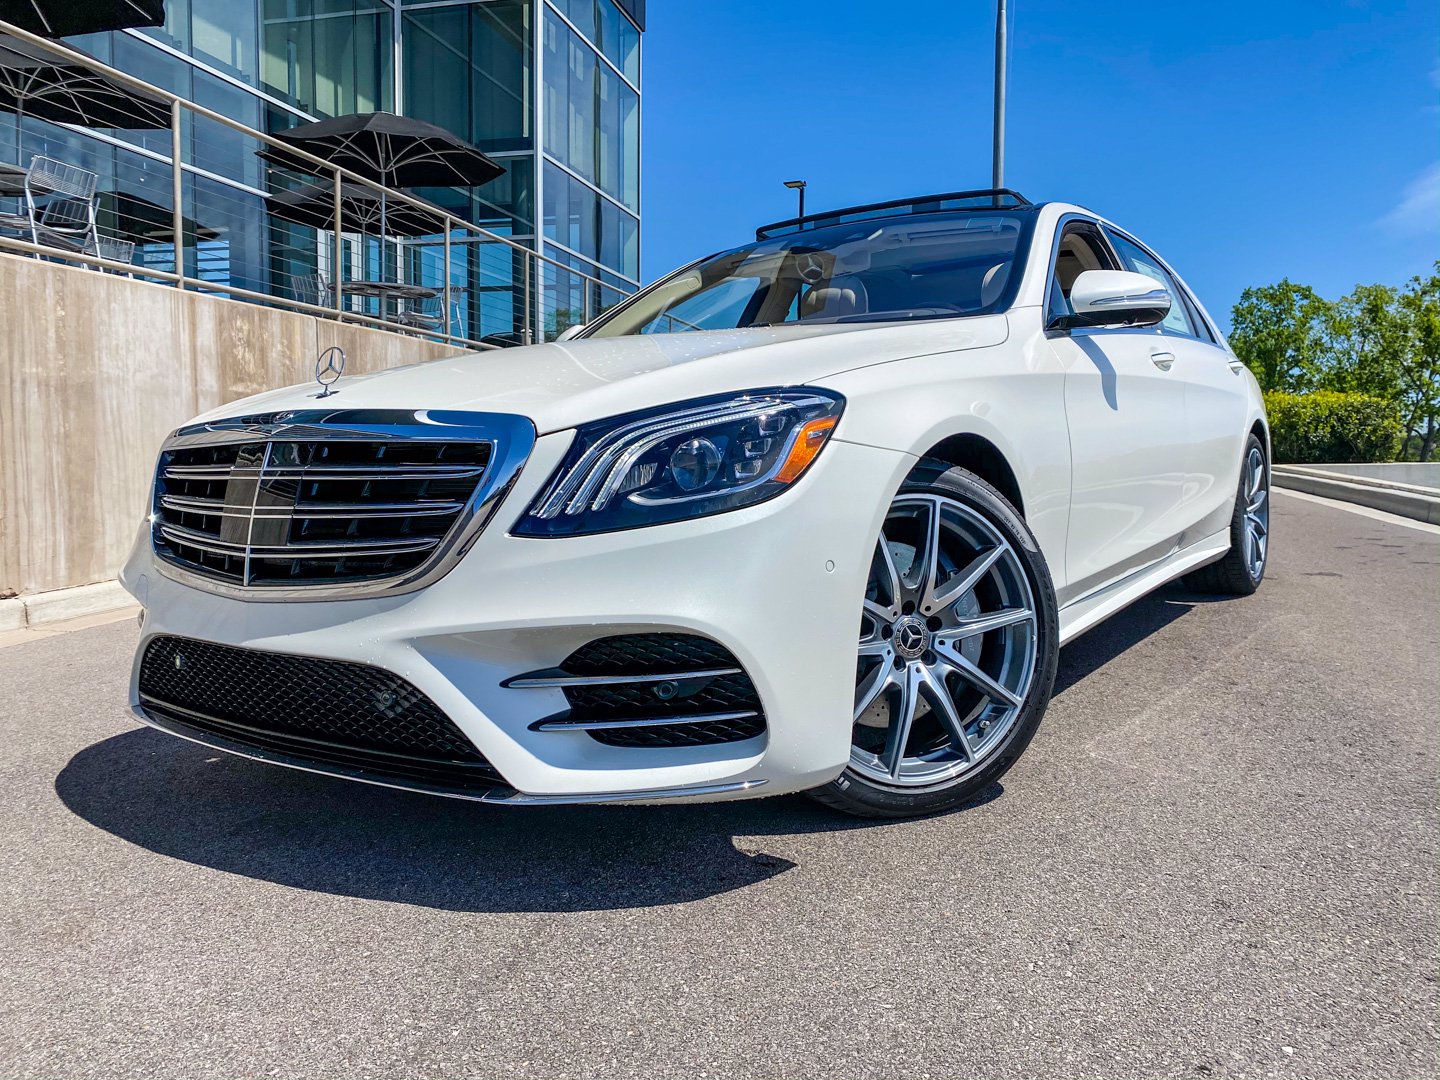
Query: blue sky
pixel 1246 142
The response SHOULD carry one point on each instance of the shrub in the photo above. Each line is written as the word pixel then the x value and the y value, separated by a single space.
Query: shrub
pixel 1324 426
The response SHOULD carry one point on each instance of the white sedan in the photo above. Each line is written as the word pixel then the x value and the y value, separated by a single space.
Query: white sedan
pixel 814 514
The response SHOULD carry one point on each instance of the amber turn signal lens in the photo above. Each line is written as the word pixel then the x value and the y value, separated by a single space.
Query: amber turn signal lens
pixel 807 444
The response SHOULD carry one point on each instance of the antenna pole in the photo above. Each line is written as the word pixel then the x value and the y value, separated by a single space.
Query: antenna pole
pixel 997 175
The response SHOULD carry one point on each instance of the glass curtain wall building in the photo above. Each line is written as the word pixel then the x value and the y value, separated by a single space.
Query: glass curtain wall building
pixel 548 88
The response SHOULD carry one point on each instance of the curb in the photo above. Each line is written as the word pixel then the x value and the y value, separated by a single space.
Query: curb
pixel 1404 500
pixel 41 609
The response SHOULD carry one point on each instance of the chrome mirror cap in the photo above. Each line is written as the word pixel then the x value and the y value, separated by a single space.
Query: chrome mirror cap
pixel 1115 298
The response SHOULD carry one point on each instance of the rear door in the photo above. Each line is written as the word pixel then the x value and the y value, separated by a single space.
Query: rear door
pixel 1128 433
pixel 1216 405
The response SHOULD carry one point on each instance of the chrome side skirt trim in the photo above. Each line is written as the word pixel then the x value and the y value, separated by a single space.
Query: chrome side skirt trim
pixel 493 796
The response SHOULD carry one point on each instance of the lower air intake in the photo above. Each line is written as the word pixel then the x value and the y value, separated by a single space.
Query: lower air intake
pixel 639 699
pixel 361 719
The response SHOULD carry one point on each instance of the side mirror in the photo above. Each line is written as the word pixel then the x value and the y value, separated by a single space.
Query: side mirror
pixel 1114 298
pixel 570 332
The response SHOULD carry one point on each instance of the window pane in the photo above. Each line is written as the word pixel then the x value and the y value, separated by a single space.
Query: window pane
pixel 225 33
pixel 220 149
pixel 505 205
pixel 333 65
pixel 589 225
pixel 592 118
pixel 619 40
pixel 582 14
pixel 1140 261
pixel 468 69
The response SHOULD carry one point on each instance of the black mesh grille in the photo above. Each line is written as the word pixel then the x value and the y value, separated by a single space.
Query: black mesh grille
pixel 663 654
pixel 328 711
pixel 305 512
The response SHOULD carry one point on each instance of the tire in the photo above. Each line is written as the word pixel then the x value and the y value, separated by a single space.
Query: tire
pixel 957 654
pixel 1242 568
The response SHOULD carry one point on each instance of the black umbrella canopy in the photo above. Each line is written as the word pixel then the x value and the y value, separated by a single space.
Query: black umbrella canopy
pixel 361 210
pixel 396 151
pixel 35 82
pixel 68 18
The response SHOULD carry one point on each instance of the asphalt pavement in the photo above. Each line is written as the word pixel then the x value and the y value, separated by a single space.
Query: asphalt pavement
pixel 1218 858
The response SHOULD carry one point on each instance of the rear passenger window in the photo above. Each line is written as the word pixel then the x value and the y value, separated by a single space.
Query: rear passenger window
pixel 1140 261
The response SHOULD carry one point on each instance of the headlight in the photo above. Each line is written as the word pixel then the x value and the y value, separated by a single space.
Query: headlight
pixel 683 461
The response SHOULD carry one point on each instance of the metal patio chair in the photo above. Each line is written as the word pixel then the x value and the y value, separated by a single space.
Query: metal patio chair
pixel 433 314
pixel 59 208
pixel 311 289
pixel 114 249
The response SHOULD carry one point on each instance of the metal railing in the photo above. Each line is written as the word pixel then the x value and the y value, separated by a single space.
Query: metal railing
pixel 482 289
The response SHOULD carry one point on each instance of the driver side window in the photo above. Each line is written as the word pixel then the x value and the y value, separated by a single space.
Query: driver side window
pixel 1081 248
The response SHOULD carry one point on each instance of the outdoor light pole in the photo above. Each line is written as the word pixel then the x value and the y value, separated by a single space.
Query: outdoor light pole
pixel 798 185
pixel 997 175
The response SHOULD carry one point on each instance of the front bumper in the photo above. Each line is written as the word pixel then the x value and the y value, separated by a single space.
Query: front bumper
pixel 778 584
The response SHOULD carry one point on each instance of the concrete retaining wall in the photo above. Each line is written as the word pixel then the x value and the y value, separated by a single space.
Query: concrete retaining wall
pixel 1394 497
pixel 1424 474
pixel 95 370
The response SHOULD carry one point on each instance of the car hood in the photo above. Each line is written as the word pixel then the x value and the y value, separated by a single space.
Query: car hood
pixel 567 383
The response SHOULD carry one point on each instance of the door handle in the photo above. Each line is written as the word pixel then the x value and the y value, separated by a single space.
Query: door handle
pixel 1163 360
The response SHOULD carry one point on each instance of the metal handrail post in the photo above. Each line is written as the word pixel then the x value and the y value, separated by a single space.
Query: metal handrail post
pixel 527 333
pixel 177 194
pixel 445 293
pixel 337 272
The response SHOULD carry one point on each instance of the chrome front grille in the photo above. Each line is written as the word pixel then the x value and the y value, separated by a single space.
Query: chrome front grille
pixel 337 502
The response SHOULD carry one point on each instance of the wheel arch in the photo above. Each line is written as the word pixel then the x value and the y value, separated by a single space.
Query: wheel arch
pixel 1262 432
pixel 979 455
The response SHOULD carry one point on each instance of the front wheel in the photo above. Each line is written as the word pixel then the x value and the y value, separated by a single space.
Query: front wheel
pixel 957 651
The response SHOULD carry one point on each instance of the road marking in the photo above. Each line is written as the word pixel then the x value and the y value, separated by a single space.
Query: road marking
pixel 1363 511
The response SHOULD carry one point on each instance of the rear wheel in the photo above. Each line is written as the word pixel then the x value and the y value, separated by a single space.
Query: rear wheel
pixel 957 650
pixel 1242 569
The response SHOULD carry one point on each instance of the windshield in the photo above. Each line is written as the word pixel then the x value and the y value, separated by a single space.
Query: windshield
pixel 923 267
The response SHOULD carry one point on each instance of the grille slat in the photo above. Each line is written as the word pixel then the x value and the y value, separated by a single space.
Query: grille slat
pixel 295 512
pixel 313 710
pixel 622 691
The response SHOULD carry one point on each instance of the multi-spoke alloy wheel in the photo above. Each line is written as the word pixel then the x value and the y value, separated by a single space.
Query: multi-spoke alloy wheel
pixel 956 650
pixel 947 644
pixel 1239 571
pixel 1257 512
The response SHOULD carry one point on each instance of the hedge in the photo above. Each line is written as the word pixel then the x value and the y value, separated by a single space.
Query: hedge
pixel 1324 426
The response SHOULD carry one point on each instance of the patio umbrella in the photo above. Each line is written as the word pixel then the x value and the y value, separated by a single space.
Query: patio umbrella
pixel 68 18
pixel 396 151
pixel 362 210
pixel 34 82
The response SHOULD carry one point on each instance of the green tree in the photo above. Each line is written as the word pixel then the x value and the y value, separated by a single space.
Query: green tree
pixel 1280 332
pixel 1367 337
pixel 1419 368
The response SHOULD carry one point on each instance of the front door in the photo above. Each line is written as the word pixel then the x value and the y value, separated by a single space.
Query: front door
pixel 1125 407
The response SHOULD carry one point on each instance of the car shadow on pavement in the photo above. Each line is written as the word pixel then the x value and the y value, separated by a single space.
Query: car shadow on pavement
pixel 1094 649
pixel 312 832
pixel 334 836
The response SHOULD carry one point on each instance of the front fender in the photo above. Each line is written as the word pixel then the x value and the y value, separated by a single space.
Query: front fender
pixel 1012 395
